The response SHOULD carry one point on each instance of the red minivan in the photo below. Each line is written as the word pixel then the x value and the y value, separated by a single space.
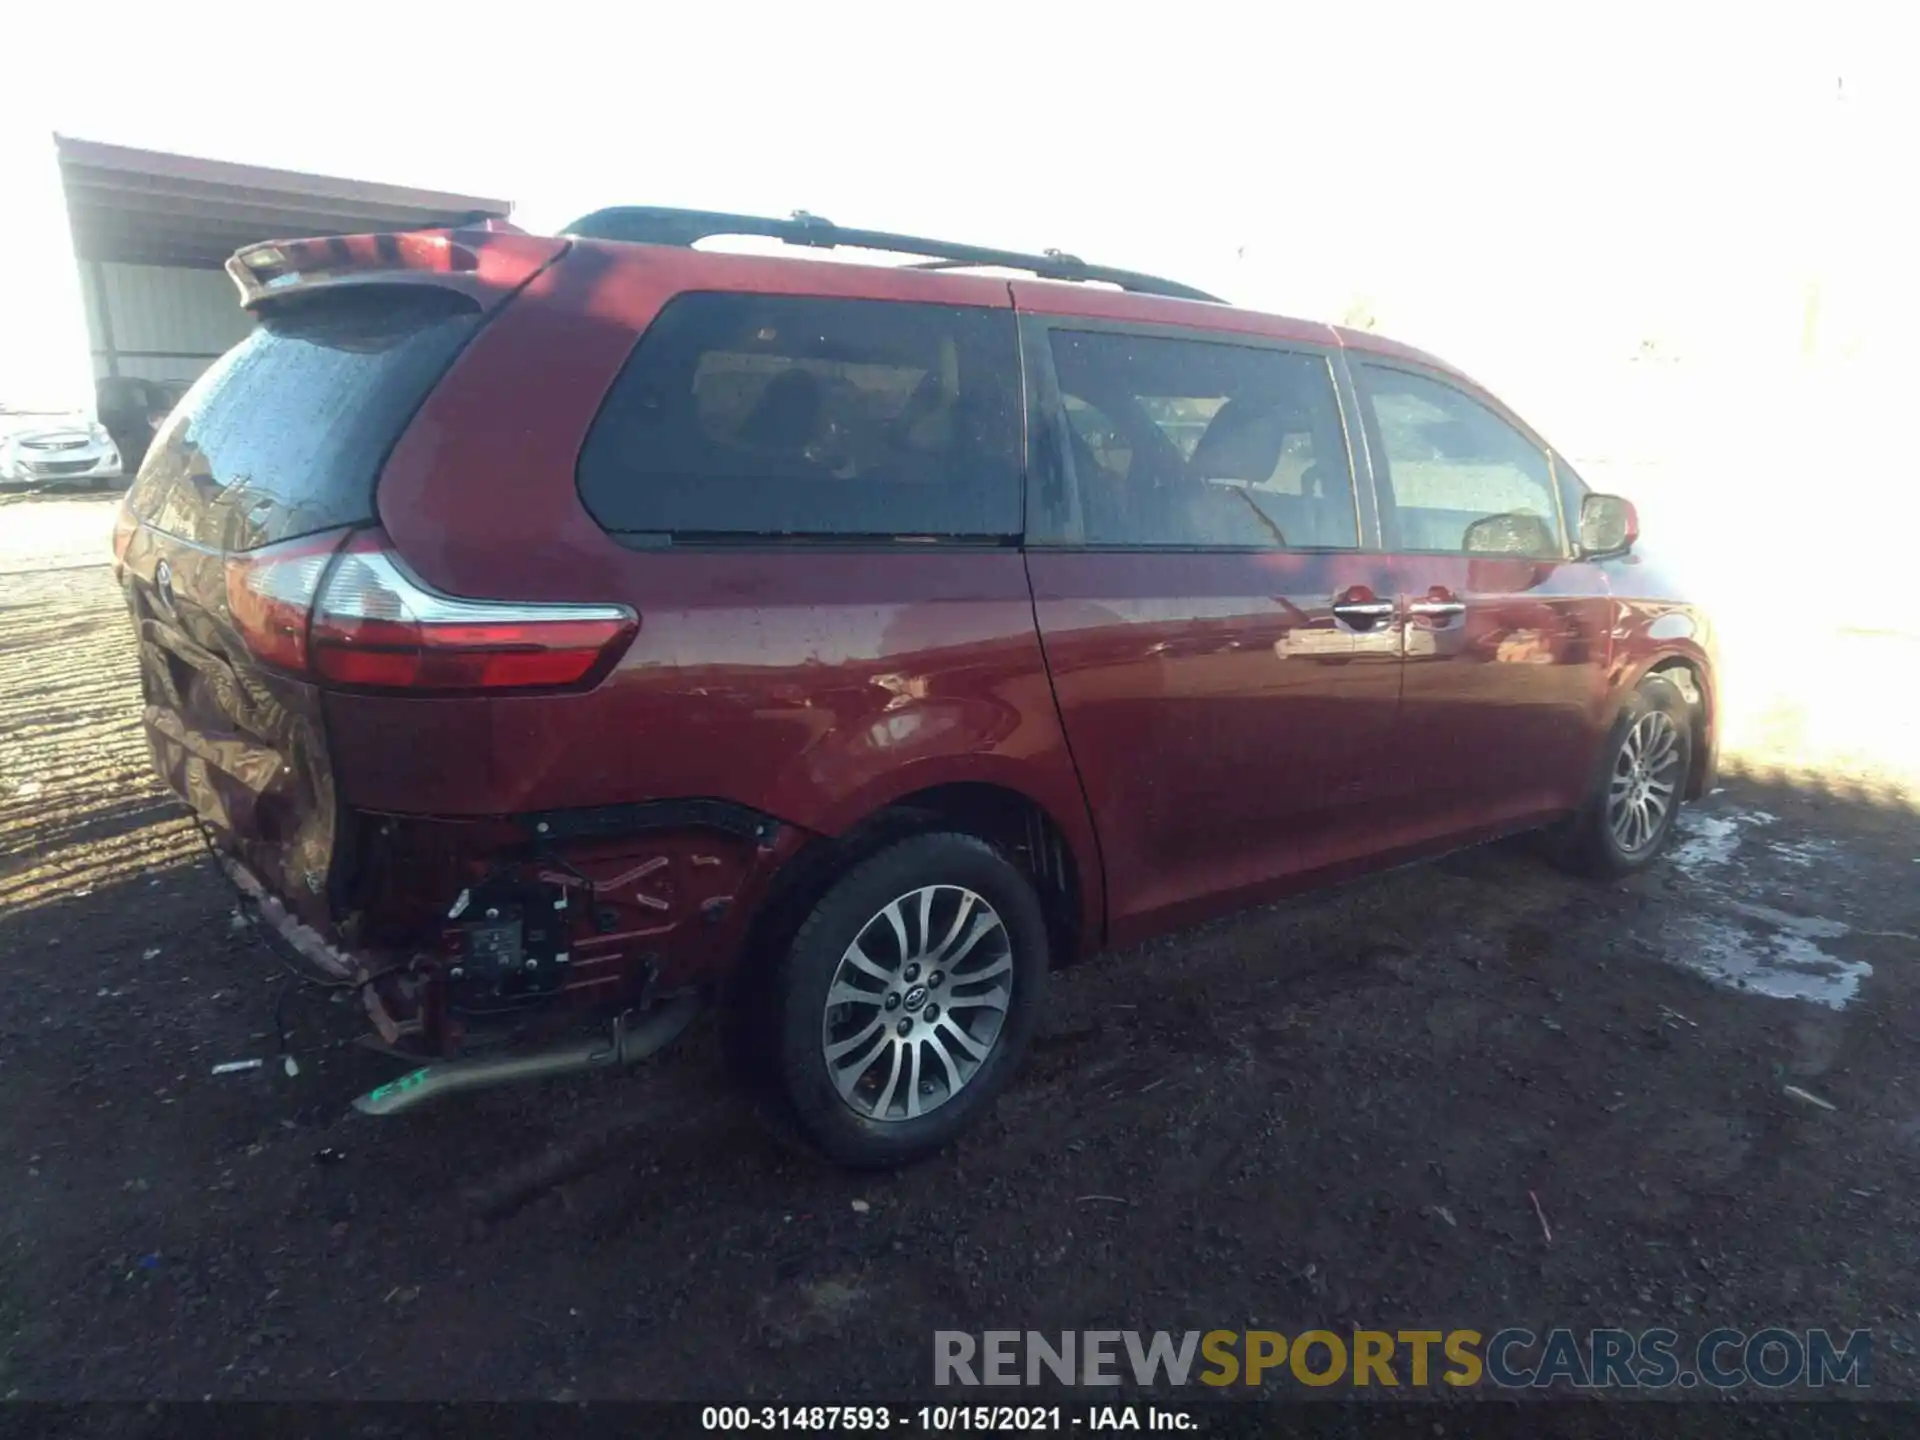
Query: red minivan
pixel 558 636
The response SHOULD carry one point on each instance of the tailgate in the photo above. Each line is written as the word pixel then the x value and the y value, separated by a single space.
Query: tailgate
pixel 280 444
pixel 243 746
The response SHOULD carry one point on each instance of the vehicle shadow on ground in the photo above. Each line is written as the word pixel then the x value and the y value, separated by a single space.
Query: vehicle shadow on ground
pixel 36 833
pixel 1337 1111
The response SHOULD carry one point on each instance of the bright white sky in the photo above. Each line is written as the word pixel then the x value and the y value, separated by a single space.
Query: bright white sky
pixel 1488 179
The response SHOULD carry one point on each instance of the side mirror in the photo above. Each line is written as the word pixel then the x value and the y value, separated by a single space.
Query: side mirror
pixel 1608 526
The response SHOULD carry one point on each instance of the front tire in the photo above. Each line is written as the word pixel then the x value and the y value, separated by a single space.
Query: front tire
pixel 1635 798
pixel 907 999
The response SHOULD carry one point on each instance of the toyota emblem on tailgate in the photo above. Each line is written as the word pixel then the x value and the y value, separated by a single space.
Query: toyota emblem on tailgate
pixel 163 586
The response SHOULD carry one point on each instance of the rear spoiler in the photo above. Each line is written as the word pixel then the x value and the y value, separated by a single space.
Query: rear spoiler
pixel 487 261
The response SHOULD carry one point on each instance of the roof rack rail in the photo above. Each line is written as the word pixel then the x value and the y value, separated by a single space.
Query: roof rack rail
pixel 657 225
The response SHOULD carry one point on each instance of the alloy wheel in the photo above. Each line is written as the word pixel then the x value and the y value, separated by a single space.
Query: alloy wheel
pixel 1645 782
pixel 917 1003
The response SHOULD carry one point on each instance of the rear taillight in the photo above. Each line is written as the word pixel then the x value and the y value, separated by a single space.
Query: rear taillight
pixel 124 526
pixel 362 620
pixel 270 596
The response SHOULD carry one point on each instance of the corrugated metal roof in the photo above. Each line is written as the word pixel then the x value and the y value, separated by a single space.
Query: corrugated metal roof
pixel 149 207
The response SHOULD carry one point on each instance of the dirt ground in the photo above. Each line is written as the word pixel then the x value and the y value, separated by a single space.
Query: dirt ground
pixel 1330 1113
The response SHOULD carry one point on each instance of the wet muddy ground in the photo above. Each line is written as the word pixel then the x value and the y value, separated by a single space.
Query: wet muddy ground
pixel 1332 1113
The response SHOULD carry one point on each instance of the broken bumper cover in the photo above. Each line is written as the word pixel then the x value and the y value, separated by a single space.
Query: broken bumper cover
pixel 323 961
pixel 547 922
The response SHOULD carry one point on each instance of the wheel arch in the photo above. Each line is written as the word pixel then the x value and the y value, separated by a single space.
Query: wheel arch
pixel 1691 674
pixel 1030 834
pixel 1062 864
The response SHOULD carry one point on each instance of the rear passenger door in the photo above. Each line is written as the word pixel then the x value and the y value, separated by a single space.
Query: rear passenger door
pixel 1222 646
pixel 1506 631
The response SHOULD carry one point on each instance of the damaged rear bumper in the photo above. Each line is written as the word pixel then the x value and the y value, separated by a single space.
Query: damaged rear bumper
pixel 493 944
pixel 324 962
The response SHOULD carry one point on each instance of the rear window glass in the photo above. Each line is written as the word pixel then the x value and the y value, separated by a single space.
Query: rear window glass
pixel 286 433
pixel 743 415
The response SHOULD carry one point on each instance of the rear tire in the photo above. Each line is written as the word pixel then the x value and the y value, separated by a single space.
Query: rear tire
pixel 1635 797
pixel 906 1000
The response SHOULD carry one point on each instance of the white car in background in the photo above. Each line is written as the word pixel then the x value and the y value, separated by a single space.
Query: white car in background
pixel 38 447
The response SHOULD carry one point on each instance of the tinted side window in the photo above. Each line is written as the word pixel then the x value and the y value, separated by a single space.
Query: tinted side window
pixel 1458 477
pixel 781 415
pixel 1196 444
pixel 1096 430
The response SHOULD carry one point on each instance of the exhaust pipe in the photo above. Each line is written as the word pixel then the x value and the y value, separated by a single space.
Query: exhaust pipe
pixel 631 1040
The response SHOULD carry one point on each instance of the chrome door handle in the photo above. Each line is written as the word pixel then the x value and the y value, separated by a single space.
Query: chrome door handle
pixel 1363 609
pixel 1437 607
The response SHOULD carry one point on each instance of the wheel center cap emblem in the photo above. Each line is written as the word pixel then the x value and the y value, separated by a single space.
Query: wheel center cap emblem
pixel 915 998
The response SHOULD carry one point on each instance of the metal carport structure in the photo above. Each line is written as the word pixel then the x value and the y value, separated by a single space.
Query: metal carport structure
pixel 151 231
